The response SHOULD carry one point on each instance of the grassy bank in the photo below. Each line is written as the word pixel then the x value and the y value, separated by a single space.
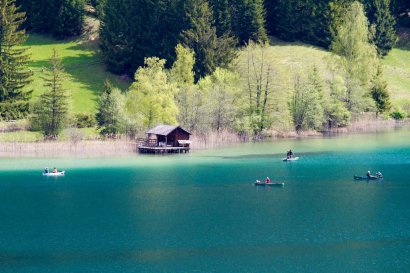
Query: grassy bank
pixel 85 72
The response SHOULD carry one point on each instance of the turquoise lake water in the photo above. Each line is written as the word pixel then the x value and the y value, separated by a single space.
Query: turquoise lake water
pixel 201 213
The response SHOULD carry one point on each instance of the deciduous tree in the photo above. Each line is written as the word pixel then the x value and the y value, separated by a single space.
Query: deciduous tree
pixel 151 98
pixel 110 113
pixel 356 57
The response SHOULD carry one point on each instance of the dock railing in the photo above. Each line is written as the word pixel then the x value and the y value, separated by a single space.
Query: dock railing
pixel 144 142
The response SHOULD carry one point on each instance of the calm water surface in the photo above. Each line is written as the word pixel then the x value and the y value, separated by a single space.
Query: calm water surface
pixel 201 213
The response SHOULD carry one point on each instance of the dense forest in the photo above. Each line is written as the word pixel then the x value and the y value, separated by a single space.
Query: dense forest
pixel 203 64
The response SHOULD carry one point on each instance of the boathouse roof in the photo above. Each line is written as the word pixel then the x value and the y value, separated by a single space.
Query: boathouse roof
pixel 164 130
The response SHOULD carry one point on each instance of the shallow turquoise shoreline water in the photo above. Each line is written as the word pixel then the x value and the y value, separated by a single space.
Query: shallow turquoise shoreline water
pixel 201 213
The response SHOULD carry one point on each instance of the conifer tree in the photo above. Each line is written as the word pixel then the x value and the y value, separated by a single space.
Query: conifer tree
pixel 383 23
pixel 52 110
pixel 14 75
pixel 69 18
pixel 380 93
pixel 133 30
pixel 222 10
pixel 210 50
pixel 61 18
pixel 306 21
pixel 251 25
pixel 115 37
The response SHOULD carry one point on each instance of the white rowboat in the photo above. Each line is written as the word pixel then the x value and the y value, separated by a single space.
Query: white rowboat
pixel 54 174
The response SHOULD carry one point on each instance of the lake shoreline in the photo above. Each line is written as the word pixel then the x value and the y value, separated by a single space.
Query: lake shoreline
pixel 109 148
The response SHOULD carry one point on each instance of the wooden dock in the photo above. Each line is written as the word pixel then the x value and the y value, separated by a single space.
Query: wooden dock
pixel 162 150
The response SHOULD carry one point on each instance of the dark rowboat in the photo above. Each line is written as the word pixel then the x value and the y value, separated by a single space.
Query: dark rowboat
pixel 272 184
pixel 356 177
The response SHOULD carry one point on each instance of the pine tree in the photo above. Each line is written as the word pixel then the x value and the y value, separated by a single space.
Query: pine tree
pixel 14 75
pixel 115 37
pixel 133 30
pixel 383 23
pixel 61 18
pixel 380 93
pixel 222 10
pixel 51 111
pixel 210 50
pixel 303 20
pixel 69 18
pixel 252 16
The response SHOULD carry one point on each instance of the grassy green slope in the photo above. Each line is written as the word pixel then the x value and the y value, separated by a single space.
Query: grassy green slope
pixel 397 73
pixel 85 72
pixel 298 57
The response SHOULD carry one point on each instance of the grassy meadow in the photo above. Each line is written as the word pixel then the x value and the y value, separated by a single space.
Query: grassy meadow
pixel 85 72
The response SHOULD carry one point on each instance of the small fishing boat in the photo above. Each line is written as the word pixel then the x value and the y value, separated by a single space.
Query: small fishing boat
pixel 54 174
pixel 357 177
pixel 272 184
pixel 290 159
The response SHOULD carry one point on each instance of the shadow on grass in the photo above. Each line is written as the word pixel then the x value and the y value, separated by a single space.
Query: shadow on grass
pixel 404 39
pixel 35 39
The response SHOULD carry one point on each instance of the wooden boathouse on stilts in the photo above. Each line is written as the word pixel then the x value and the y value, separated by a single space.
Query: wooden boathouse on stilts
pixel 165 139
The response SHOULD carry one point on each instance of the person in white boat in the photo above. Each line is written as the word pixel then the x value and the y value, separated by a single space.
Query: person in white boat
pixel 55 170
pixel 46 170
pixel 289 154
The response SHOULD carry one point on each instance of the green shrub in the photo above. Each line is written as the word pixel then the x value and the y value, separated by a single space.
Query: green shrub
pixel 84 120
pixel 398 114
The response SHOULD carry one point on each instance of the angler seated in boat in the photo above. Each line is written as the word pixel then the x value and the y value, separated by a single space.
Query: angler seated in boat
pixel 267 181
pixel 369 176
pixel 55 172
pixel 289 154
pixel 377 176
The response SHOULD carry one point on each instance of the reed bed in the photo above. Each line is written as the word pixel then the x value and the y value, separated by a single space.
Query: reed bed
pixel 214 140
pixel 376 125
pixel 64 149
